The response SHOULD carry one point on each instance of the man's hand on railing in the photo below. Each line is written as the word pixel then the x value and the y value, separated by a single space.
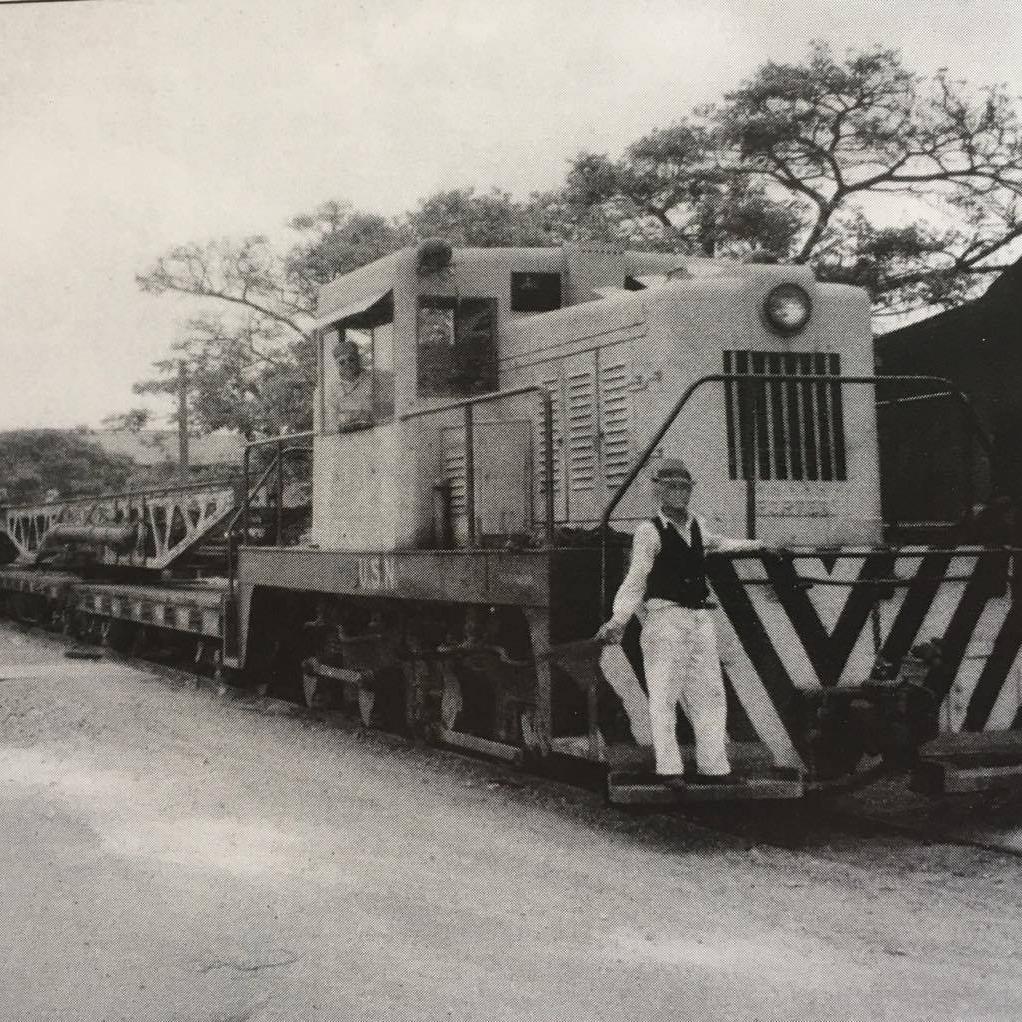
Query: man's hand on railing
pixel 611 632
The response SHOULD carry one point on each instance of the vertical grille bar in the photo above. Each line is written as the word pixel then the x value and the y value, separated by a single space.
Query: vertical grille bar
pixel 762 418
pixel 796 445
pixel 838 413
pixel 780 437
pixel 823 419
pixel 805 365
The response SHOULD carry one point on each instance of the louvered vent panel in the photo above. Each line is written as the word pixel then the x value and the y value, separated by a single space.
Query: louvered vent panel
pixel 615 401
pixel 581 432
pixel 454 466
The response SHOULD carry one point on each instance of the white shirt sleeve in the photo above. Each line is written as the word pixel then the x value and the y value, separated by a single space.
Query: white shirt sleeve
pixel 645 547
pixel 714 543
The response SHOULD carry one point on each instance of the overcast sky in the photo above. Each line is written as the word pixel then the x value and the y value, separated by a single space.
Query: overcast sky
pixel 127 126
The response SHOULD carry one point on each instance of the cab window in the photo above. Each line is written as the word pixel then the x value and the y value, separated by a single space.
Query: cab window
pixel 535 292
pixel 456 346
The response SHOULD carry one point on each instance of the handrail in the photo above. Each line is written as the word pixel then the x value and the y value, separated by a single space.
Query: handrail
pixel 248 492
pixel 262 479
pixel 777 378
pixel 468 405
pixel 494 395
pixel 308 434
pixel 279 441
pixel 750 378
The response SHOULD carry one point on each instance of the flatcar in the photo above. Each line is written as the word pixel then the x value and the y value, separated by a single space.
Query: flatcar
pixel 485 425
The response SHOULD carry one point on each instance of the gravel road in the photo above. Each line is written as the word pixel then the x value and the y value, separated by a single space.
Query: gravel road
pixel 173 855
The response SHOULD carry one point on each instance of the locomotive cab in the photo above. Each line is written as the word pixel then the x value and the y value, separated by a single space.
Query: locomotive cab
pixel 410 342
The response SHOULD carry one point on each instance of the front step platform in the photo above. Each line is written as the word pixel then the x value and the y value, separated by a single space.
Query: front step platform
pixel 968 762
pixel 630 788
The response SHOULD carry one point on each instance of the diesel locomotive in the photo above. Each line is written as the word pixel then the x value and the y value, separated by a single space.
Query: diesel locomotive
pixel 486 423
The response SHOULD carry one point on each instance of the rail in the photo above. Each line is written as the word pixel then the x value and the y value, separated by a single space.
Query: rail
pixel 749 383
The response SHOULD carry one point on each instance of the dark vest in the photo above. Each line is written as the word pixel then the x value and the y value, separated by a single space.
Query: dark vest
pixel 679 570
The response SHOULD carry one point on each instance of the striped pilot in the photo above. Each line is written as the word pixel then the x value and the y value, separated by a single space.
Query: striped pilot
pixel 667 575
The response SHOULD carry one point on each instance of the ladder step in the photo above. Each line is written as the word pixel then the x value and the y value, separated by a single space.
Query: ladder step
pixel 947 777
pixel 625 788
pixel 485 746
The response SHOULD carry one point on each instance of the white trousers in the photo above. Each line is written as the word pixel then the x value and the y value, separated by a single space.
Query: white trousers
pixel 679 654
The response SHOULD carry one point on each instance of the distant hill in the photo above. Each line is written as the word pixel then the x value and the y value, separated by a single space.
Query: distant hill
pixel 34 462
pixel 156 446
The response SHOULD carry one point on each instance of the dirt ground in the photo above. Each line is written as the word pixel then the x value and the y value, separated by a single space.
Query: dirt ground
pixel 174 855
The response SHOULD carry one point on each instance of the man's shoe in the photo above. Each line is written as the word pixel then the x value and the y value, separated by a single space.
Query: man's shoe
pixel 675 781
pixel 716 779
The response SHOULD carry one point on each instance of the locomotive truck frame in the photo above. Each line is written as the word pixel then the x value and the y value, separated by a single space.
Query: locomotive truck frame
pixel 482 422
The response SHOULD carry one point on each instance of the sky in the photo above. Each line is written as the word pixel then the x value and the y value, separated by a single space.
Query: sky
pixel 130 126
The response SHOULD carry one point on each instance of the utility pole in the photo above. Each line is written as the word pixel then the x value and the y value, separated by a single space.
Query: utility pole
pixel 182 422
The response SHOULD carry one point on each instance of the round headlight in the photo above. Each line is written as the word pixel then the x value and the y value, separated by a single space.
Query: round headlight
pixel 787 308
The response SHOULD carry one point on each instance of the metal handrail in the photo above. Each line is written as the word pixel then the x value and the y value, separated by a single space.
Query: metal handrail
pixel 752 378
pixel 494 395
pixel 468 405
pixel 243 512
pixel 276 463
pixel 778 378
pixel 308 434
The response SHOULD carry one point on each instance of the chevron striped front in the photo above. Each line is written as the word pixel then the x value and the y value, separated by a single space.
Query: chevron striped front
pixel 827 619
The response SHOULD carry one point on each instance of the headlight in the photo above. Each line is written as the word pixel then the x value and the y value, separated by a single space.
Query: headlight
pixel 787 308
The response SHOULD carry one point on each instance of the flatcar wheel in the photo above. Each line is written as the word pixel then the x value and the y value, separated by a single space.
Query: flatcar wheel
pixel 119 636
pixel 366 704
pixel 310 684
pixel 73 622
pixel 451 700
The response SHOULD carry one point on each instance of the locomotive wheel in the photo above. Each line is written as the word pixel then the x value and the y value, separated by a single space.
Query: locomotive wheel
pixel 285 679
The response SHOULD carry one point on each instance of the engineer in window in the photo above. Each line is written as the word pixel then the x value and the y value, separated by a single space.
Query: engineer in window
pixel 353 397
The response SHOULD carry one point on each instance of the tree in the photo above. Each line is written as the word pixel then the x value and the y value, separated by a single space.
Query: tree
pixel 251 363
pixel 872 174
pixel 134 420
pixel 245 376
pixel 667 193
pixel 482 221
pixel 334 238
pixel 35 461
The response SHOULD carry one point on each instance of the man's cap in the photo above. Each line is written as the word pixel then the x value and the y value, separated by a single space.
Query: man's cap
pixel 672 468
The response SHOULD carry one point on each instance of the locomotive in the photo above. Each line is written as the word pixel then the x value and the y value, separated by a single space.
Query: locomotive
pixel 485 425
